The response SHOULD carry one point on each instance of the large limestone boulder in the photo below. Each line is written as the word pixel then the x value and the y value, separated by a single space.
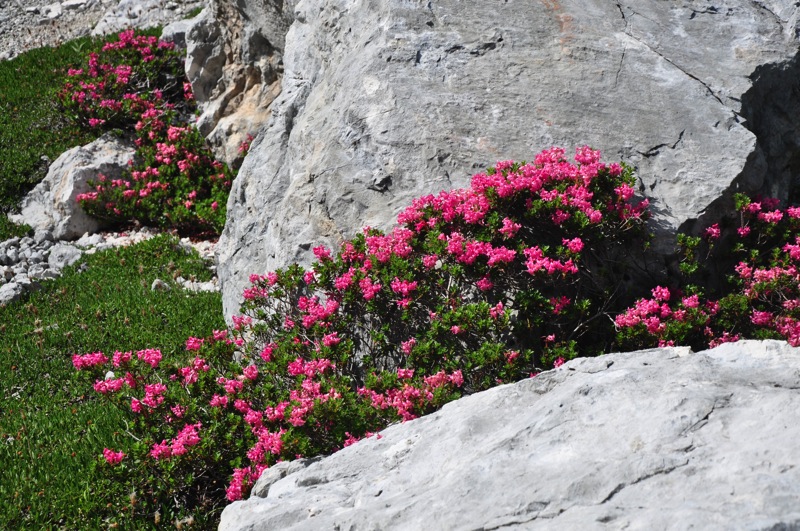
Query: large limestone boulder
pixel 659 439
pixel 52 204
pixel 385 100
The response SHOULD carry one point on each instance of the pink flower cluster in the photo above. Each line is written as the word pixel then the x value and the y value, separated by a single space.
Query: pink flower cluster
pixel 189 436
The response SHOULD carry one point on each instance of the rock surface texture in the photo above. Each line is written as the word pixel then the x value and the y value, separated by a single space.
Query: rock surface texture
pixel 659 439
pixel 52 204
pixel 234 62
pixel 386 100
pixel 27 24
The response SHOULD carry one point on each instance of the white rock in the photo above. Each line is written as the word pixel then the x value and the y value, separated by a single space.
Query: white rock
pixel 74 4
pixel 10 292
pixel 658 439
pixel 63 255
pixel 52 11
pixel 159 285
pixel 52 204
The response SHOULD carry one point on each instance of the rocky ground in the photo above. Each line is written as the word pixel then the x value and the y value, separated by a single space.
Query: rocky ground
pixel 28 24
pixel 24 262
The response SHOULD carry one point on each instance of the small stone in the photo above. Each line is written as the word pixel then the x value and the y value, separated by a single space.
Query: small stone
pixel 63 255
pixel 12 256
pixel 73 4
pixel 10 292
pixel 159 285
pixel 51 11
pixel 36 272
pixel 89 240
pixel 42 235
pixel 21 279
pixel 36 257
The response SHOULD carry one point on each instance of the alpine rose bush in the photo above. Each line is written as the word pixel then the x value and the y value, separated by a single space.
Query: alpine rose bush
pixel 137 83
pixel 759 299
pixel 473 287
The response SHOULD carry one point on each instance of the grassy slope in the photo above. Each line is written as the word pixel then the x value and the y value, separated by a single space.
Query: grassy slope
pixel 31 124
pixel 51 429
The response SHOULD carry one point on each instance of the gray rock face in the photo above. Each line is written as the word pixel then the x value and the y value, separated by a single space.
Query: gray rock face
pixel 386 100
pixel 659 439
pixel 52 204
pixel 234 62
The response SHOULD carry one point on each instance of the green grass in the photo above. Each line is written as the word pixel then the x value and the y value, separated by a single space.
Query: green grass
pixel 53 428
pixel 31 124
pixel 193 13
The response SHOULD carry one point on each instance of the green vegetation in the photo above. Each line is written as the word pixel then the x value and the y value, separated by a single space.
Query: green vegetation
pixel 193 13
pixel 51 428
pixel 31 123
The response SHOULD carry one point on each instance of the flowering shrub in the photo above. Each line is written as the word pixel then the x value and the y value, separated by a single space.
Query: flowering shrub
pixel 138 82
pixel 759 298
pixel 472 288
pixel 119 83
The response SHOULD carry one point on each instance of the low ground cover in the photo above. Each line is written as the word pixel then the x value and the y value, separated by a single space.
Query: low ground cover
pixel 50 426
pixel 31 123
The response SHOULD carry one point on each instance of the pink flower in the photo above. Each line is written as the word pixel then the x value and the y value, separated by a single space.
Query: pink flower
pixel 194 343
pixel 250 372
pixel 322 253
pixel 510 228
pixel 407 346
pixel 661 293
pixel 150 356
pixel 108 386
pixel 712 232
pixel 266 352
pixel 559 362
pixel 219 401
pixel 113 458
pixel 485 284
pixel 331 339
pixel 160 451
pixel 575 245
pixel 405 373
pixel 88 360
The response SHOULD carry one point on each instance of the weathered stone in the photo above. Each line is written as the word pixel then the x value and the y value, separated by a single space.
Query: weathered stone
pixel 63 255
pixel 386 100
pixel 52 204
pixel 234 62
pixel 89 240
pixel 175 32
pixel 276 473
pixel 159 285
pixel 138 14
pixel 52 11
pixel 659 439
pixel 10 292
pixel 74 4
pixel 42 235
